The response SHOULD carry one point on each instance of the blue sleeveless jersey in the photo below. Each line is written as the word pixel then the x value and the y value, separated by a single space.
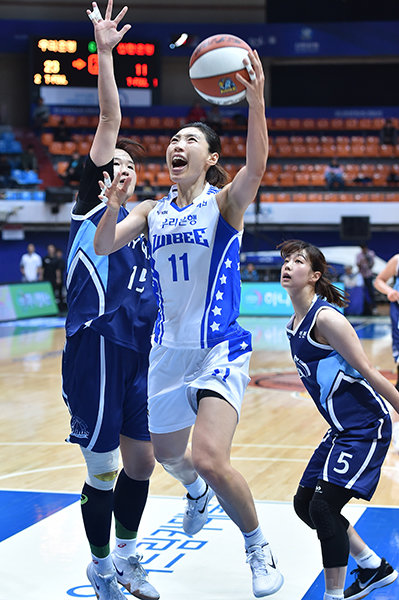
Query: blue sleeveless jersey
pixel 111 294
pixel 344 398
pixel 195 260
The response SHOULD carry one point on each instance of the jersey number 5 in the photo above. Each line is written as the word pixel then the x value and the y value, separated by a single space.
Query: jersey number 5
pixel 342 460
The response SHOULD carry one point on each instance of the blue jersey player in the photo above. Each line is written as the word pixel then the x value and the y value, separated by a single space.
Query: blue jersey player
pixel 199 362
pixel 348 391
pixel 390 273
pixel 111 311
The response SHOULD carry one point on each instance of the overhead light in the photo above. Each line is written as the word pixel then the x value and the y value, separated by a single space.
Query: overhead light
pixel 180 41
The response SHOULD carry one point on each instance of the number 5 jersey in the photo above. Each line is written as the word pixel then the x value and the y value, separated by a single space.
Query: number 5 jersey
pixel 344 398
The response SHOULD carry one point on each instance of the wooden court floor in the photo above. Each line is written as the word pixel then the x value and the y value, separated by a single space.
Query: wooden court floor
pixel 277 433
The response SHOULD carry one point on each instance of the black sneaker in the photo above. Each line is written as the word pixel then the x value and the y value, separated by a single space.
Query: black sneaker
pixel 370 579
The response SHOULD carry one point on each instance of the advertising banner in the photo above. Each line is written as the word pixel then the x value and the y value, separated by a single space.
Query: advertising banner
pixel 23 300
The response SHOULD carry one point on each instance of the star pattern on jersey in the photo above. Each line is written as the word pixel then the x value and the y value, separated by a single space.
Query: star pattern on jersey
pixel 217 310
pixel 244 346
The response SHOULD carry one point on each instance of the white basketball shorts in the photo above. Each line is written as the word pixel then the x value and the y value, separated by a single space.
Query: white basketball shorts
pixel 175 376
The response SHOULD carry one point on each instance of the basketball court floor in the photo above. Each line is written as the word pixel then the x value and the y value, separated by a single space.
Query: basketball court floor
pixel 43 551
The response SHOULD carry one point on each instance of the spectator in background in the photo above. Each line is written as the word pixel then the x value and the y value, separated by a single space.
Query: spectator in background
pixel 214 119
pixel 146 190
pixel 40 115
pixel 334 175
pixel 51 269
pixel 392 177
pixel 60 294
pixel 28 159
pixel 353 284
pixel 74 170
pixel 61 133
pixel 197 113
pixel 388 133
pixel 250 273
pixel 5 171
pixel 31 265
pixel 365 262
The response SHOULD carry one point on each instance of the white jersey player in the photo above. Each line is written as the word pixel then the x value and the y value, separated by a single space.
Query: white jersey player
pixel 199 362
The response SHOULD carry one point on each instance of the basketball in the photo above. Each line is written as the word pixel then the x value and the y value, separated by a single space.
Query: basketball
pixel 213 66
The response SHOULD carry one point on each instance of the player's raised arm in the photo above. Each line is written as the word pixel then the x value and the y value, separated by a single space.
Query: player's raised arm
pixel 244 187
pixel 388 272
pixel 107 37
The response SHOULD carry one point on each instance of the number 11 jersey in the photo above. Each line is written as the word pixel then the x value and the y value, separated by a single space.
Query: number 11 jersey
pixel 195 260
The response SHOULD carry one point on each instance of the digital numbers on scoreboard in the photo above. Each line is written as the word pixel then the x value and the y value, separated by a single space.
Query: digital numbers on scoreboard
pixel 74 63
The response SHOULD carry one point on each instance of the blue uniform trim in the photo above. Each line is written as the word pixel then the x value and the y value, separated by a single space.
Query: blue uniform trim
pixel 223 248
pixel 344 398
pixel 84 241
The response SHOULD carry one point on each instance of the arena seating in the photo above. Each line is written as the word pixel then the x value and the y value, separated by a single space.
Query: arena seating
pixel 300 150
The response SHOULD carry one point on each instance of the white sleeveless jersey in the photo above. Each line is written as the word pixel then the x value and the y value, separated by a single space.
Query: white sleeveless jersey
pixel 195 259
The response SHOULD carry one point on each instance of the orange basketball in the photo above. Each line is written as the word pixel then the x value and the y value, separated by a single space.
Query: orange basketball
pixel 213 66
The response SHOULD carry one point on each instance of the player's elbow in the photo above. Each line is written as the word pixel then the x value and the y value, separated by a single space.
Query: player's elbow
pixel 100 248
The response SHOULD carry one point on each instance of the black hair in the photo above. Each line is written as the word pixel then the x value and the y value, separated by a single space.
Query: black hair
pixel 215 175
pixel 324 287
pixel 134 149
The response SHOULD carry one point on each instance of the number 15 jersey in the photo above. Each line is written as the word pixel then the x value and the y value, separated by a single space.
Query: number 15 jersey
pixel 195 260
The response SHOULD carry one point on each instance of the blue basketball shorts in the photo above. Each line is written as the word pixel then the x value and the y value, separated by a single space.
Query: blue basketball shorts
pixel 394 311
pixel 351 459
pixel 104 386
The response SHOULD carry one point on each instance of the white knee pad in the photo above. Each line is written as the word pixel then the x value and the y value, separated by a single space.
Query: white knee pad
pixel 102 468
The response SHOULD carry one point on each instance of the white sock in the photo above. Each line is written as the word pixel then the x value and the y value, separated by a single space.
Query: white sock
pixel 254 538
pixel 334 595
pixel 105 566
pixel 125 548
pixel 197 488
pixel 368 559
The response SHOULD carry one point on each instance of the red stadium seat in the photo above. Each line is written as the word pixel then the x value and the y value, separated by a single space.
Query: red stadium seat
pixel 267 197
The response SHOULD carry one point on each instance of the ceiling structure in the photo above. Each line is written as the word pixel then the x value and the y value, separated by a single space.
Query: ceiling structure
pixel 176 11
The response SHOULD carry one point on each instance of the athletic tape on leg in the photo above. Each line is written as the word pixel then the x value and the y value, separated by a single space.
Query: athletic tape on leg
pixel 102 468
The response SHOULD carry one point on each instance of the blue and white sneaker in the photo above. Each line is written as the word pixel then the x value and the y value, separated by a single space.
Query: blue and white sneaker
pixel 266 578
pixel 105 586
pixel 132 575
pixel 196 512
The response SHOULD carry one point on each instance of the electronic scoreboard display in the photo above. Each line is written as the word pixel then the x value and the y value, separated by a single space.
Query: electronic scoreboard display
pixel 74 63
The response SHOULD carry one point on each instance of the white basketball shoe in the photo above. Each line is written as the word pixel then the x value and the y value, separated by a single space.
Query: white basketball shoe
pixel 196 512
pixel 132 575
pixel 105 586
pixel 266 578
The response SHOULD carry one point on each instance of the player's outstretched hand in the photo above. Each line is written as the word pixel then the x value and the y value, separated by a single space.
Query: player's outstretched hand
pixel 105 29
pixel 114 194
pixel 256 84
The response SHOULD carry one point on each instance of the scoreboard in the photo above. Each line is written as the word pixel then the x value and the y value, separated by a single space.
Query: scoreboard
pixel 64 63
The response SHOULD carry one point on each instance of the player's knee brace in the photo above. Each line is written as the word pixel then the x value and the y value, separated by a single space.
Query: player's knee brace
pixel 331 529
pixel 102 468
pixel 301 502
